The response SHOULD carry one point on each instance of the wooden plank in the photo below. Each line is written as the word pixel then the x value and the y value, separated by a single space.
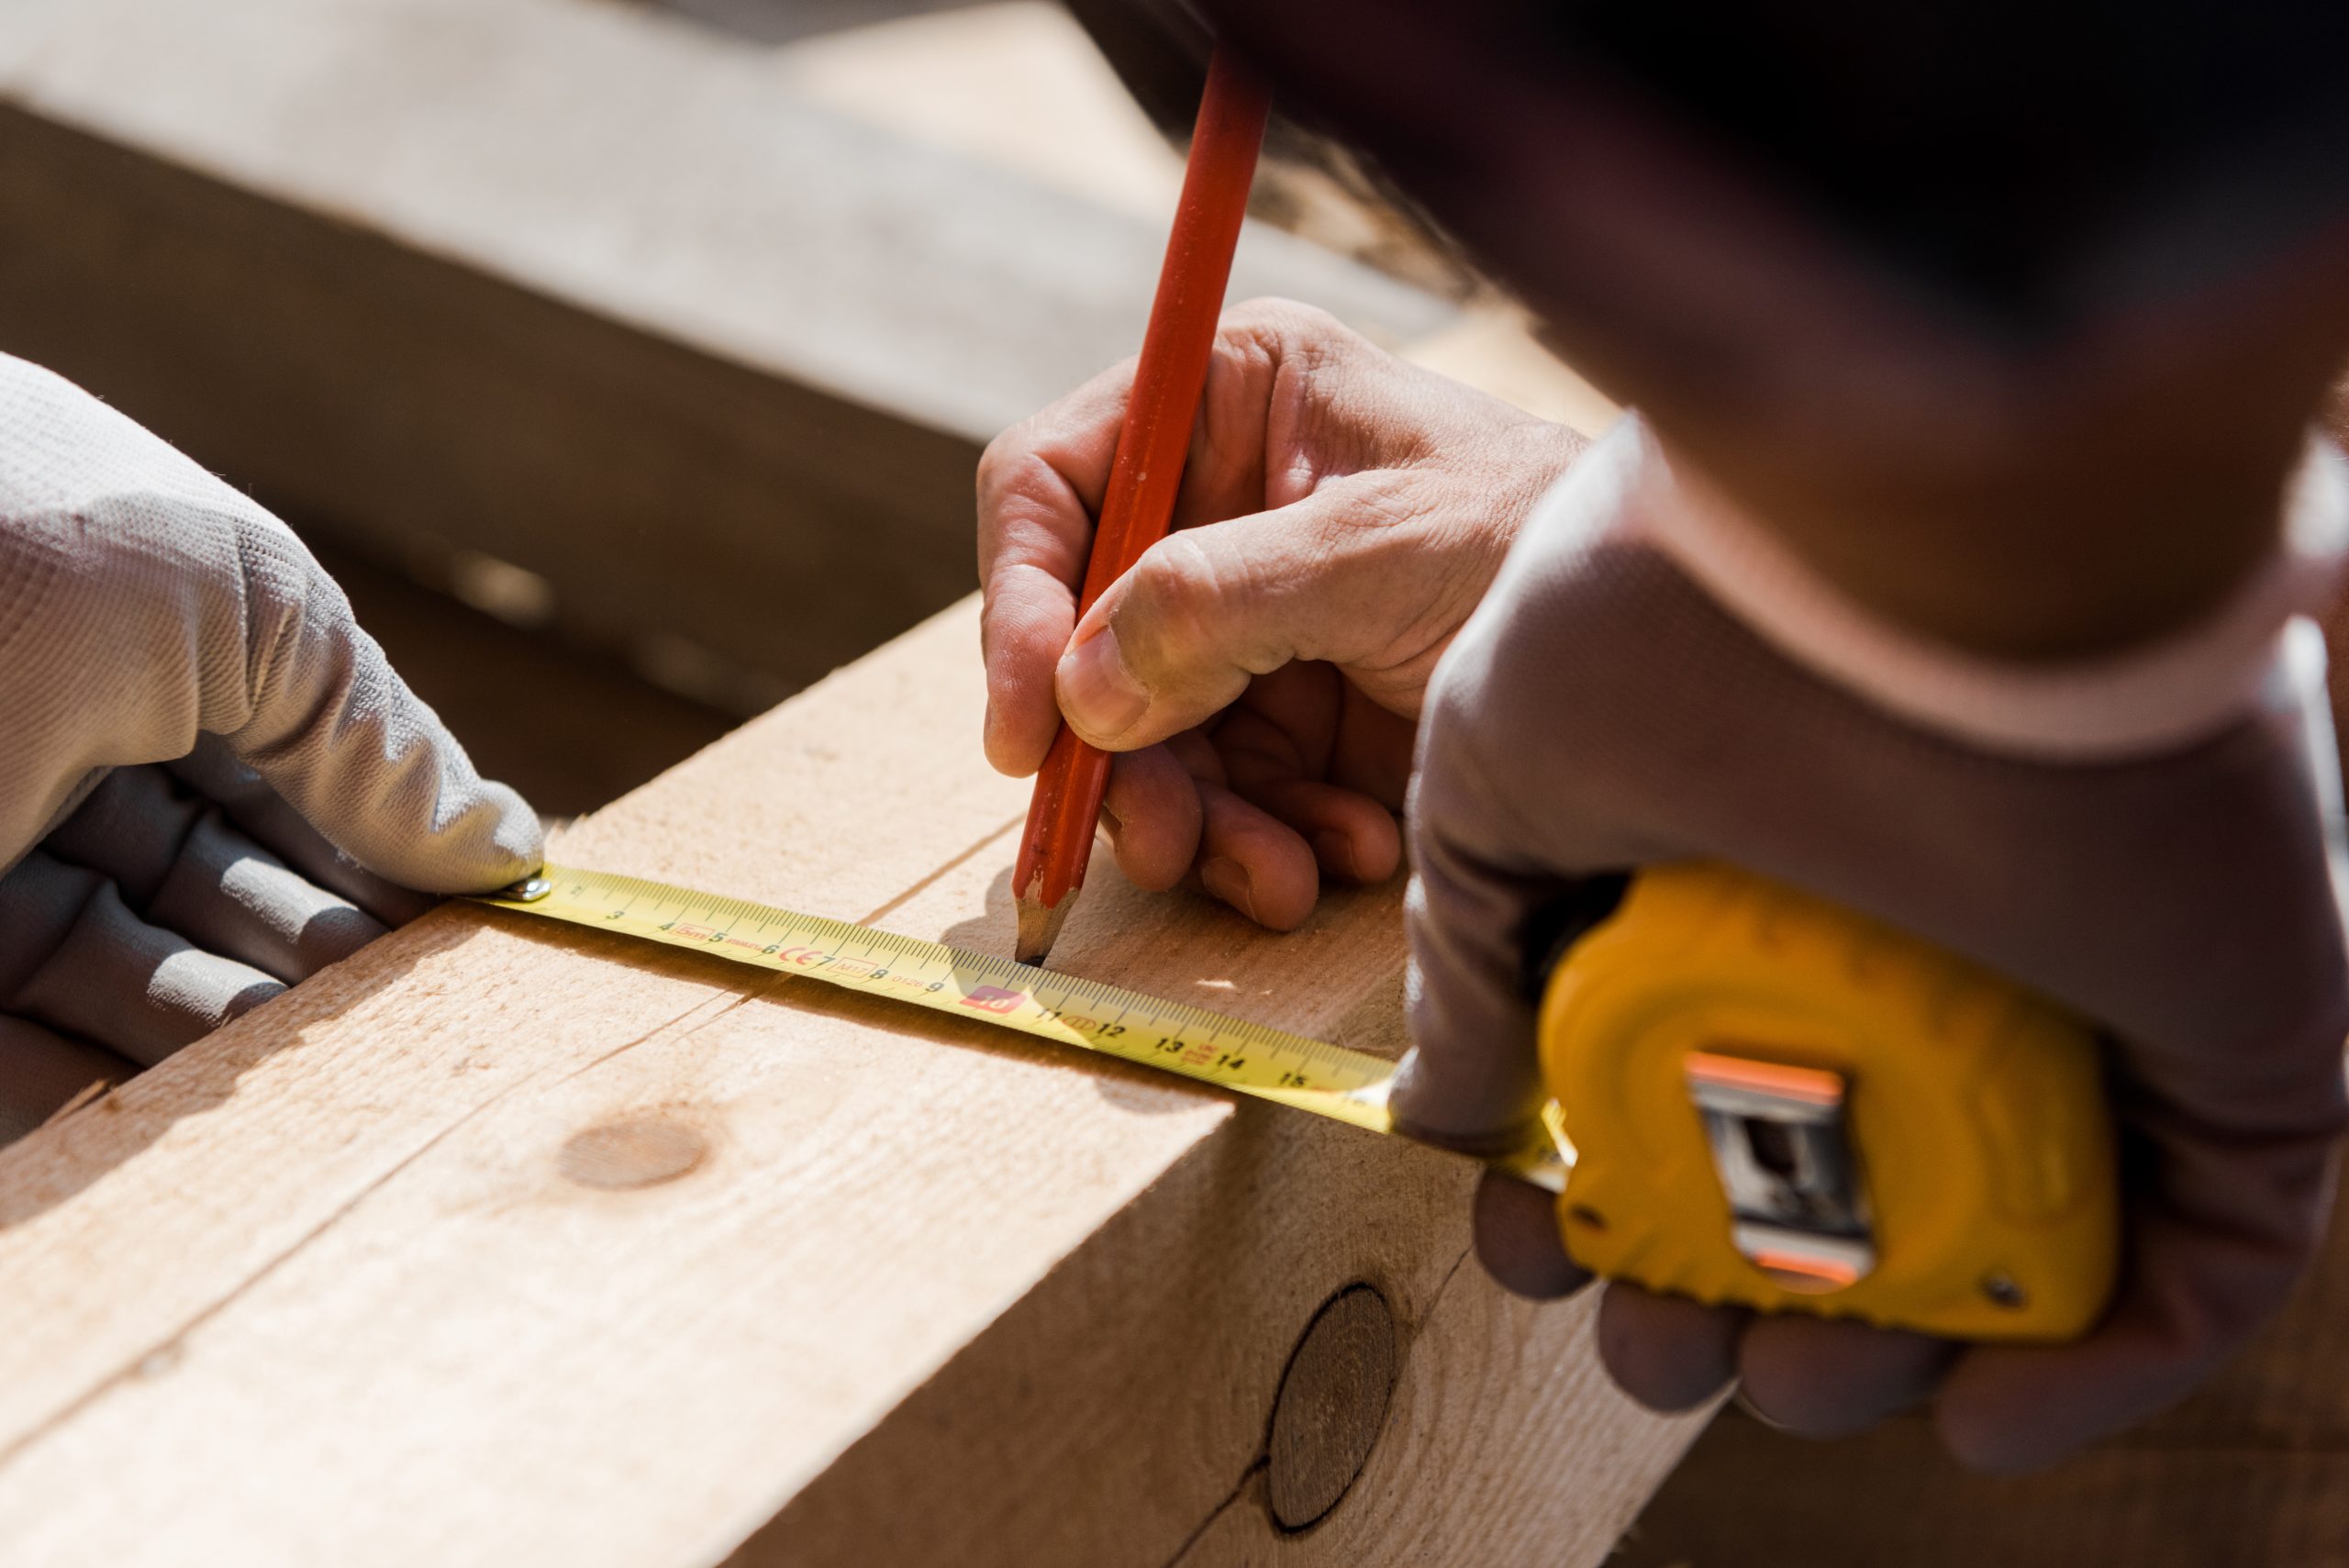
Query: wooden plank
pixel 589 292
pixel 1504 1449
pixel 506 1243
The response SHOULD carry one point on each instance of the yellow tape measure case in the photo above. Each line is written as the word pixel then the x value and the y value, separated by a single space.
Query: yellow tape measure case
pixel 1777 1102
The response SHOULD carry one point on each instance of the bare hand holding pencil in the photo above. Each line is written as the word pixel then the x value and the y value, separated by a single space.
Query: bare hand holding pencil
pixel 1259 673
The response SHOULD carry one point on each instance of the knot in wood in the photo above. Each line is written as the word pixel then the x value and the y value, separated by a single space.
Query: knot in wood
pixel 1331 1405
pixel 640 1152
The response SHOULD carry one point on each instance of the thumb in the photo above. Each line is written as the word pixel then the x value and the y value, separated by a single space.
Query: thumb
pixel 1207 609
pixel 1482 896
pixel 336 732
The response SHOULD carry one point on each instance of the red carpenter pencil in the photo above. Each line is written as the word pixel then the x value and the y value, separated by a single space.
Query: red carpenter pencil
pixel 1147 469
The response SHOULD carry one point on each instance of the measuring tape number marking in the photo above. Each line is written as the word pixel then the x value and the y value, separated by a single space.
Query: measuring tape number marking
pixel 1307 1075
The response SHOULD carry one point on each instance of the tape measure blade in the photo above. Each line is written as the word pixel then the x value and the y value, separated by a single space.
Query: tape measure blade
pixel 1192 1042
pixel 1313 1076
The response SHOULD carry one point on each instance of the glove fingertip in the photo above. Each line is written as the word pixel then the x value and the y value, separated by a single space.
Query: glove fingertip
pixel 1836 1378
pixel 1518 1240
pixel 1987 1446
pixel 490 841
pixel 500 842
pixel 1669 1354
pixel 1479 1104
pixel 1994 1417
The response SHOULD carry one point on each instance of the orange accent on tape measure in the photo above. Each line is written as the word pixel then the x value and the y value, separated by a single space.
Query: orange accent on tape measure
pixel 1809 1084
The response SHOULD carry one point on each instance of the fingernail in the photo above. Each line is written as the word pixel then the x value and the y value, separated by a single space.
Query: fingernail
pixel 1227 880
pixel 1336 853
pixel 1097 692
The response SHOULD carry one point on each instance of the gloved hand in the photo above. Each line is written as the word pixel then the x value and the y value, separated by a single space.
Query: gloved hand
pixel 2148 838
pixel 1260 670
pixel 211 781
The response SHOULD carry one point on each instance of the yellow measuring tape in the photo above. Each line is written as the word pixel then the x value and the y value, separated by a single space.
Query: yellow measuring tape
pixel 1230 1053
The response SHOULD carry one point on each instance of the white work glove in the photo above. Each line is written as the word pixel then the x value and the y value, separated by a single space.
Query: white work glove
pixel 2148 838
pixel 211 783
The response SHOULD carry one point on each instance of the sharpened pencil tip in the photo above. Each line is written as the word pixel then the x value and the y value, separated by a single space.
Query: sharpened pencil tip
pixel 1039 924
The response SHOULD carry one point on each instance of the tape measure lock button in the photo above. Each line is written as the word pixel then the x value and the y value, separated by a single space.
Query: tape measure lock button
pixel 1782 1149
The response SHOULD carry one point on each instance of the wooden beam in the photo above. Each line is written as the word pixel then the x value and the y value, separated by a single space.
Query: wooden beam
pixel 569 286
pixel 508 1242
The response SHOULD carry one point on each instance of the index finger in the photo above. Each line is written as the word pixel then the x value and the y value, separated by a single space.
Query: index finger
pixel 1040 484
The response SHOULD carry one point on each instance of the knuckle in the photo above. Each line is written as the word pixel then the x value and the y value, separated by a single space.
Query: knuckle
pixel 1023 504
pixel 990 469
pixel 1023 606
pixel 1176 605
pixel 1286 332
pixel 1023 467
pixel 1287 320
pixel 1004 458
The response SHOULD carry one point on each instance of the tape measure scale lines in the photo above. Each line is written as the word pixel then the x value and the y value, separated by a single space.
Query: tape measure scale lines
pixel 1310 1075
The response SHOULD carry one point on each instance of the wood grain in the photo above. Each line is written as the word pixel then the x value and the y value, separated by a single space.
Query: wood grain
pixel 507 1242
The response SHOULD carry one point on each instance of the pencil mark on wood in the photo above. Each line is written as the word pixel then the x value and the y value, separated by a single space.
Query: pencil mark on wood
pixel 159 1362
